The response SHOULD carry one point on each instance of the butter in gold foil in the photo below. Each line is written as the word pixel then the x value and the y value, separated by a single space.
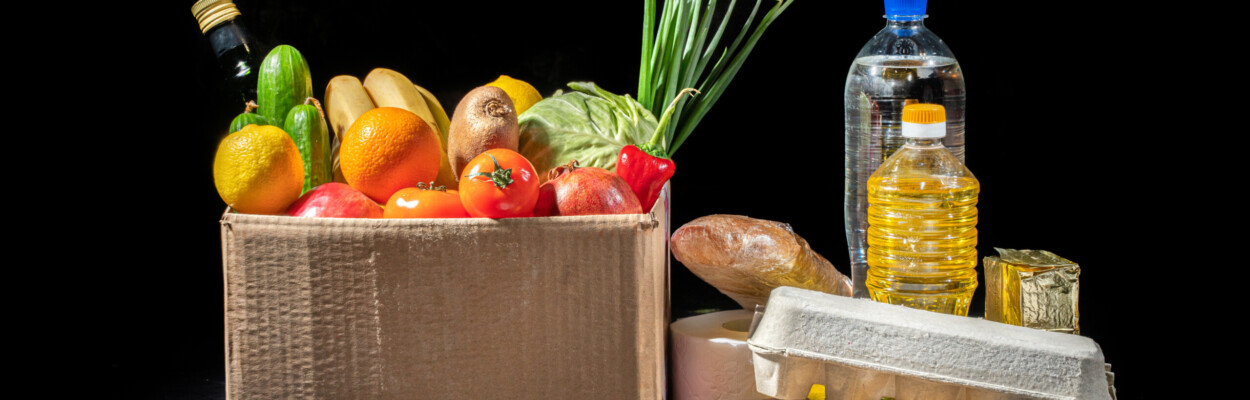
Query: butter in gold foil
pixel 1032 288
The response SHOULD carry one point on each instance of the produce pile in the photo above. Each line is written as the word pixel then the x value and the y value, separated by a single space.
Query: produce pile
pixel 504 152
pixel 396 154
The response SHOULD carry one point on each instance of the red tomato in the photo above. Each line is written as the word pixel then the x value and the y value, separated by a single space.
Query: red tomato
pixel 499 183
pixel 423 202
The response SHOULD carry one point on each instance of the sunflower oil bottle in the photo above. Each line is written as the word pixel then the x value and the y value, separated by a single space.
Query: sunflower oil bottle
pixel 922 219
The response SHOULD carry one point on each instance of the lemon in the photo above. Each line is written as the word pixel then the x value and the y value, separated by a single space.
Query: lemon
pixel 522 94
pixel 258 170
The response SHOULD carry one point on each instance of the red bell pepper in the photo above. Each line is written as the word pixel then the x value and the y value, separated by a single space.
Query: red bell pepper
pixel 645 173
pixel 646 168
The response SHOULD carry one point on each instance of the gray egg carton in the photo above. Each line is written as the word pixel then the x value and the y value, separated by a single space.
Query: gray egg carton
pixel 860 349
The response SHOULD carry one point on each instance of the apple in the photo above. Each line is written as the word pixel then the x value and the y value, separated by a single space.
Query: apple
pixel 335 200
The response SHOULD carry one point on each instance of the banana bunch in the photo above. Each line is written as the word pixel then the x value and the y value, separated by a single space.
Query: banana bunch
pixel 347 98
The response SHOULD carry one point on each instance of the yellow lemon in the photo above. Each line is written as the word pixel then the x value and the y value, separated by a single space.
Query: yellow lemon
pixel 258 170
pixel 522 94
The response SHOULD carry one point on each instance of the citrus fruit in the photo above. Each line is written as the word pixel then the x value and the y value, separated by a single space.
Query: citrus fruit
pixel 258 170
pixel 522 94
pixel 388 149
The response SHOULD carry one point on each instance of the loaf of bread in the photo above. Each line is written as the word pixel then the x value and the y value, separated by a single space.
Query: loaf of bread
pixel 746 258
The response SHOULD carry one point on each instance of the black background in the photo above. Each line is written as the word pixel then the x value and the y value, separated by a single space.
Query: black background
pixel 1044 133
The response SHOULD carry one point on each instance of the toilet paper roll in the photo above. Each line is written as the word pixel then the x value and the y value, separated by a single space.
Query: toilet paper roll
pixel 711 360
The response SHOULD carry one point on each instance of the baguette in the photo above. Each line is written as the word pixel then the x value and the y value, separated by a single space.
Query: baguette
pixel 746 258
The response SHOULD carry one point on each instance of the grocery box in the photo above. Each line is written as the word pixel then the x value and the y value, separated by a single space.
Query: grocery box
pixel 860 349
pixel 525 308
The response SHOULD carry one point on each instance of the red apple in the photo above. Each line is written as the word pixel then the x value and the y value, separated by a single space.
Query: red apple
pixel 336 200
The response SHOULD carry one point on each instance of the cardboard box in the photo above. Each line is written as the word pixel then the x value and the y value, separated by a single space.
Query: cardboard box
pixel 527 308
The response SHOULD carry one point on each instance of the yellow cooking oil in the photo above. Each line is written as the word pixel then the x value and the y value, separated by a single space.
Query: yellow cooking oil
pixel 922 219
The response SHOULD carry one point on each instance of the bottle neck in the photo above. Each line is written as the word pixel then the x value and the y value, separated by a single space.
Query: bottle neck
pixel 228 36
pixel 905 20
pixel 923 142
pixel 905 25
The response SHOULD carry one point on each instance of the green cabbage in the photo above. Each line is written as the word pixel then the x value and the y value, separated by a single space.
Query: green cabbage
pixel 589 125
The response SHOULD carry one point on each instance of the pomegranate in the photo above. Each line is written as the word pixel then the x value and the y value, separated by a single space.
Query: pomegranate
pixel 573 190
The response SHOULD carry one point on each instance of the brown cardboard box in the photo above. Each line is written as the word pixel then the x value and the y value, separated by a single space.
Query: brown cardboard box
pixel 527 308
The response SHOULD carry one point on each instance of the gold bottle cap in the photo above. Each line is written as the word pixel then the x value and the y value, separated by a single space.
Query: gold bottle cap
pixel 210 13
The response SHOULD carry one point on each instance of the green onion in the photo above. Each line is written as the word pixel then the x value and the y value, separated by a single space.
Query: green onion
pixel 677 56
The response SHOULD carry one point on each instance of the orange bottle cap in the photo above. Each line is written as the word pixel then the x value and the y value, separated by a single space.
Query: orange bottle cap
pixel 924 113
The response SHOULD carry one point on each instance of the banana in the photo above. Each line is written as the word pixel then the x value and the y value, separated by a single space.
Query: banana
pixel 444 123
pixel 440 115
pixel 346 100
pixel 389 88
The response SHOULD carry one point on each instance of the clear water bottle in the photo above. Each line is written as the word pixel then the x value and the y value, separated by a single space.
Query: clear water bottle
pixel 903 64
pixel 922 221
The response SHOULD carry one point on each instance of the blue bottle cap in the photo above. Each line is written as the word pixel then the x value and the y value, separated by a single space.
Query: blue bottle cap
pixel 905 7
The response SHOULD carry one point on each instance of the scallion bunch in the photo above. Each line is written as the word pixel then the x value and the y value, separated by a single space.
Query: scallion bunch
pixel 678 56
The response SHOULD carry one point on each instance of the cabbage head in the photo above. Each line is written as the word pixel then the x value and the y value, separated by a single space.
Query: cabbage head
pixel 589 125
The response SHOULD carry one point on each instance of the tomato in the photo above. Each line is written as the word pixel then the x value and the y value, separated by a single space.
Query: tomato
pixel 499 183
pixel 425 202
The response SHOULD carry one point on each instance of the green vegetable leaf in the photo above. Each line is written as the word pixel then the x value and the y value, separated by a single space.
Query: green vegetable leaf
pixel 588 124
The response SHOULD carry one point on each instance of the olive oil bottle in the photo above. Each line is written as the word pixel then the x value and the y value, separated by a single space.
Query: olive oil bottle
pixel 238 53
pixel 922 219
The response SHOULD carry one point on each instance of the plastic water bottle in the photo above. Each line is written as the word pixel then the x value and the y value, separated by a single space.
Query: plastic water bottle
pixel 922 221
pixel 903 64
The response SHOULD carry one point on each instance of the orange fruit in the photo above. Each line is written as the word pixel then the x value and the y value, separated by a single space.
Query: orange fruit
pixel 388 149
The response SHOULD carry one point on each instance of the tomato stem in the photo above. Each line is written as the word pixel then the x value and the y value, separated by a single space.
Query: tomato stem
pixel 430 186
pixel 502 177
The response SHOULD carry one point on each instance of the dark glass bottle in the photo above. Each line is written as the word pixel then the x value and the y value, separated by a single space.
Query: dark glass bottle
pixel 238 53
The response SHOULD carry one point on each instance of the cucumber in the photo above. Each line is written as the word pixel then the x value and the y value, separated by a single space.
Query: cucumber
pixel 306 125
pixel 248 117
pixel 283 82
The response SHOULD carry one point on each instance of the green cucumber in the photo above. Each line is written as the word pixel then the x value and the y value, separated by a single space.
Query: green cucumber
pixel 283 82
pixel 307 127
pixel 248 117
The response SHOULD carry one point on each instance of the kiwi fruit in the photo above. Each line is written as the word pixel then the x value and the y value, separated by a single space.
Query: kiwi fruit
pixel 485 119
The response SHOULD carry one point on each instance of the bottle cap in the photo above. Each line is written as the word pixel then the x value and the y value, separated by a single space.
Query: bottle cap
pixel 210 13
pixel 905 7
pixel 924 121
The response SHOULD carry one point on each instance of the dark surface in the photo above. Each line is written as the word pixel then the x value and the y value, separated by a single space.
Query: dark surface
pixel 1041 133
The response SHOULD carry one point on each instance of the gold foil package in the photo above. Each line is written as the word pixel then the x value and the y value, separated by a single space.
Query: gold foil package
pixel 1032 288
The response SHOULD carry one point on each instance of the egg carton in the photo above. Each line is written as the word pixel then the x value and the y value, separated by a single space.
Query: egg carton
pixel 860 349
